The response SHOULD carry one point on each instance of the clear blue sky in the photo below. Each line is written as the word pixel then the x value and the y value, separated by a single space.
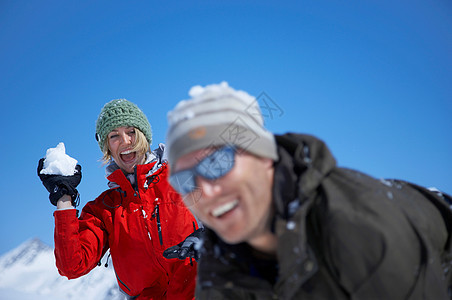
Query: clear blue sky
pixel 371 78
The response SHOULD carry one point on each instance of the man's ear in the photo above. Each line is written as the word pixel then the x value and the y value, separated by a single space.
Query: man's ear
pixel 268 162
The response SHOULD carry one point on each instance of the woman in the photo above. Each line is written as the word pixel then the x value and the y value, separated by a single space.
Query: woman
pixel 137 218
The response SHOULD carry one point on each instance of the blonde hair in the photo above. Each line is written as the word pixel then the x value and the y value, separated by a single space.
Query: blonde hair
pixel 141 146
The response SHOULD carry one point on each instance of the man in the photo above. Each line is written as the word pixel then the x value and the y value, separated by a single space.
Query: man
pixel 284 222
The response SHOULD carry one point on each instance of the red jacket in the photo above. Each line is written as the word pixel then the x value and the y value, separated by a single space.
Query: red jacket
pixel 137 226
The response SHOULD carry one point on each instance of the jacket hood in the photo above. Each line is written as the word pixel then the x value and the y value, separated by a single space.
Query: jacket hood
pixel 304 161
pixel 158 155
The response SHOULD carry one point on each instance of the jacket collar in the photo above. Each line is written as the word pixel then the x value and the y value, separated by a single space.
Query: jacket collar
pixel 158 156
pixel 304 161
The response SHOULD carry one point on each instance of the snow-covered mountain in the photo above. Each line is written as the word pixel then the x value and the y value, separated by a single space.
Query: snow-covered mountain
pixel 29 272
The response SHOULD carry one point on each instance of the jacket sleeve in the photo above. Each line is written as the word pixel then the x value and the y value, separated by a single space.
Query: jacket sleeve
pixel 366 257
pixel 182 277
pixel 79 243
pixel 181 284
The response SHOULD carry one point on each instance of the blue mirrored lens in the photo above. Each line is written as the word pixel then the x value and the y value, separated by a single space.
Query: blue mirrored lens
pixel 214 166
pixel 217 164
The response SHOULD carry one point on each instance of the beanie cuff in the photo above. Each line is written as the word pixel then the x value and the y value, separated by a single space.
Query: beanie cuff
pixel 237 135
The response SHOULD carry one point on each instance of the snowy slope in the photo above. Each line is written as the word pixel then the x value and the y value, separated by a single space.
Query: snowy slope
pixel 29 272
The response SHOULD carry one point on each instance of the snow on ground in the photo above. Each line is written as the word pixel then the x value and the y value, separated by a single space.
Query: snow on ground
pixel 29 272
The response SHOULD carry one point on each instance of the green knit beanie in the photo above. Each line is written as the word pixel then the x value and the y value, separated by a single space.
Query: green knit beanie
pixel 118 113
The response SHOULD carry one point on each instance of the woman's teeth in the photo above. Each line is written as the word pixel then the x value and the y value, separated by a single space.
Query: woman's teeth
pixel 222 209
pixel 126 152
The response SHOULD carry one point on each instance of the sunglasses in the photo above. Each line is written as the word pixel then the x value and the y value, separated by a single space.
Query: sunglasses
pixel 213 166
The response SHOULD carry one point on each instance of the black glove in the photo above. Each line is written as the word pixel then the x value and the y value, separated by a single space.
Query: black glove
pixel 59 185
pixel 187 248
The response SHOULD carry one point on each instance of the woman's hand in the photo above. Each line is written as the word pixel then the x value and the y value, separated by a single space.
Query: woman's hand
pixel 60 185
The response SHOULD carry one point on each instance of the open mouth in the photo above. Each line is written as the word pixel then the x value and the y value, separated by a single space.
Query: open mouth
pixel 128 155
pixel 225 208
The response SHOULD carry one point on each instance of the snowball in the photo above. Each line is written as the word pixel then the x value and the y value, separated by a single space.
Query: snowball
pixel 57 162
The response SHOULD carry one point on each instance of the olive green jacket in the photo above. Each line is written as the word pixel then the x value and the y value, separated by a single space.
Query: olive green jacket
pixel 341 235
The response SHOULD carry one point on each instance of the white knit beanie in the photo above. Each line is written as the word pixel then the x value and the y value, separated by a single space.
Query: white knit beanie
pixel 218 115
